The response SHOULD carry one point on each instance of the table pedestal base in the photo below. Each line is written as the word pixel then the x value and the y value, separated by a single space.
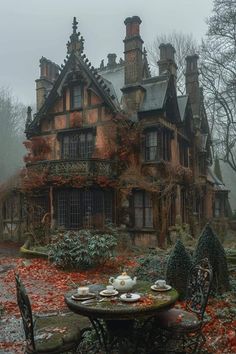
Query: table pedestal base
pixel 116 336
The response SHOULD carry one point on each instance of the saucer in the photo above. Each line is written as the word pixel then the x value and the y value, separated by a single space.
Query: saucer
pixel 156 288
pixel 78 297
pixel 108 293
pixel 133 298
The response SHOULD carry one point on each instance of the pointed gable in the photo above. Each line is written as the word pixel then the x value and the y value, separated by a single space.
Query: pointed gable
pixel 77 72
pixel 160 95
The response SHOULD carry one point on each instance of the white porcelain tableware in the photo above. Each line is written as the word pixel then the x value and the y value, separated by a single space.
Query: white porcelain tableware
pixel 109 294
pixel 83 290
pixel 110 289
pixel 123 282
pixel 156 288
pixel 78 297
pixel 130 297
pixel 160 283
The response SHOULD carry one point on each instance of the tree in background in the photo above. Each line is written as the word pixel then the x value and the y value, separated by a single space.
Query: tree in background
pixel 217 169
pixel 184 45
pixel 12 118
pixel 218 69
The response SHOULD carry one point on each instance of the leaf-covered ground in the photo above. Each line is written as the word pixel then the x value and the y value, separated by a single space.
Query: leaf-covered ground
pixel 46 286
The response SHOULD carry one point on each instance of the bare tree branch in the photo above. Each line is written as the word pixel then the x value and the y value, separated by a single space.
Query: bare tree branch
pixel 218 69
pixel 184 45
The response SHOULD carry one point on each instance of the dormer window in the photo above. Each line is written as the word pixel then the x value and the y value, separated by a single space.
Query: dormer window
pixel 76 97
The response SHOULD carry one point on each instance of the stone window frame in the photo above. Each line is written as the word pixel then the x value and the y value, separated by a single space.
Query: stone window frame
pixel 77 145
pixel 142 209
pixel 162 148
pixel 79 104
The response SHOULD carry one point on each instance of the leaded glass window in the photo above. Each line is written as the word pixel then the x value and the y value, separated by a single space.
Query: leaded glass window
pixel 158 145
pixel 76 97
pixel 143 213
pixel 77 145
pixel 77 208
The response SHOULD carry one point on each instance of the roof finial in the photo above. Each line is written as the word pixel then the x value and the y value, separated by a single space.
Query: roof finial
pixel 74 25
pixel 29 117
pixel 76 43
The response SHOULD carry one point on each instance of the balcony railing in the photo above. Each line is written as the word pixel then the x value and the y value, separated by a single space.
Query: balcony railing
pixel 90 168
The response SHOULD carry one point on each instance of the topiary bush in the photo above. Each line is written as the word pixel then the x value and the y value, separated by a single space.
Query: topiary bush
pixel 210 246
pixel 178 266
pixel 82 249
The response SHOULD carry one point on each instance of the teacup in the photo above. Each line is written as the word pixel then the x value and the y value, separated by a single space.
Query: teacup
pixel 83 290
pixel 110 289
pixel 160 283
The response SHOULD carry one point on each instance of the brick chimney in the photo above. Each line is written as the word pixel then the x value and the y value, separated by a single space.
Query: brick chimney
pixel 192 85
pixel 49 72
pixel 111 60
pixel 167 60
pixel 133 51
pixel 133 92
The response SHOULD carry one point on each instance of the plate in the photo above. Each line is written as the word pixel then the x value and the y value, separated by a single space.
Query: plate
pixel 166 288
pixel 78 297
pixel 135 297
pixel 105 293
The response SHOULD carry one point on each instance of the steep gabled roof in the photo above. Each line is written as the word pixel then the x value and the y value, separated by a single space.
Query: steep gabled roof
pixel 116 76
pixel 159 91
pixel 154 97
pixel 182 104
pixel 77 62
pixel 115 73
pixel 218 185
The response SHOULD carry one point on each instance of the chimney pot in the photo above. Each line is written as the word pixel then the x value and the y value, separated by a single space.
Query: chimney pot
pixel 132 26
pixel 111 60
pixel 167 51
pixel 167 59
pixel 192 63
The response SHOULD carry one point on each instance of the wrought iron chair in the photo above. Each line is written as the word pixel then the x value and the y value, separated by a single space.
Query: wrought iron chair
pixel 181 330
pixel 51 334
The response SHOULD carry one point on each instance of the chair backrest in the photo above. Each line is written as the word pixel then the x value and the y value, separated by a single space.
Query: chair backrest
pixel 26 313
pixel 199 286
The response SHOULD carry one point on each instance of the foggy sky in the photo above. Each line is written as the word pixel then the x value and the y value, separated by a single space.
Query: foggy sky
pixel 30 29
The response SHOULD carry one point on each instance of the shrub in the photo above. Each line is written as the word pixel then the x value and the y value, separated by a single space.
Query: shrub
pixel 178 266
pixel 210 246
pixel 180 231
pixel 151 267
pixel 82 249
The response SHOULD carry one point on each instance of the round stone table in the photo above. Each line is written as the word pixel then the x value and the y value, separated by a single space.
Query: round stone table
pixel 121 324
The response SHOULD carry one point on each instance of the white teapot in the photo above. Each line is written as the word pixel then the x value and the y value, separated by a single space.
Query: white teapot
pixel 123 282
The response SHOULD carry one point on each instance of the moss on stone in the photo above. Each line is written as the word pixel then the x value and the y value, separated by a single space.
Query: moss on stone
pixel 55 331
